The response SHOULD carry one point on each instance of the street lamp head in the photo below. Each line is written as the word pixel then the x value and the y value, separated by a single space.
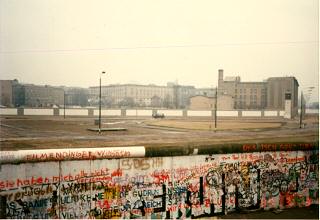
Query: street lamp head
pixel 103 72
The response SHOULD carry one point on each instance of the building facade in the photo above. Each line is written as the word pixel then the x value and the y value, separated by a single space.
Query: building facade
pixel 277 88
pixel 76 96
pixel 37 96
pixel 6 92
pixel 182 94
pixel 269 94
pixel 132 95
pixel 200 102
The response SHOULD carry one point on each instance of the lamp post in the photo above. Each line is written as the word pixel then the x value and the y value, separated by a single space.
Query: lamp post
pixel 304 103
pixel 100 102
pixel 301 109
pixel 64 104
pixel 215 110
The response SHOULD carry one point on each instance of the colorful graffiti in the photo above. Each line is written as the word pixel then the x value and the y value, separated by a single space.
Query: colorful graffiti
pixel 160 187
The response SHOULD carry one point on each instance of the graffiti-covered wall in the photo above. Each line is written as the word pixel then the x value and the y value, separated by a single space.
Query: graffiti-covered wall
pixel 160 187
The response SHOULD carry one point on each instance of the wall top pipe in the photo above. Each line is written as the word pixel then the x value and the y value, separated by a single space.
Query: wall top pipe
pixel 70 154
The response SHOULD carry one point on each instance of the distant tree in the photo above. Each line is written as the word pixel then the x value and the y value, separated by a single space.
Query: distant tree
pixel 155 101
pixel 167 102
pixel 127 102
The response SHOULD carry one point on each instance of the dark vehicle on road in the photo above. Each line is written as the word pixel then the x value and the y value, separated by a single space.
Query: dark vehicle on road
pixel 158 115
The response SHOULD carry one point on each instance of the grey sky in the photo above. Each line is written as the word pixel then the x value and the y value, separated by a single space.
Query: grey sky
pixel 60 42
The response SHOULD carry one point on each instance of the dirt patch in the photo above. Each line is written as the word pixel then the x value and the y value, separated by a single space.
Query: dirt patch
pixel 36 132
pixel 208 125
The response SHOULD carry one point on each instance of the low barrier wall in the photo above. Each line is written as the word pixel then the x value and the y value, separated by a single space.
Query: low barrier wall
pixel 107 112
pixel 130 185
pixel 140 112
pixel 38 111
pixel 74 112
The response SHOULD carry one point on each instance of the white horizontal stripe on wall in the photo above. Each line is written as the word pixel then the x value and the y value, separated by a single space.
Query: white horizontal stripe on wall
pixel 281 113
pixel 199 113
pixel 144 112
pixel 35 111
pixel 8 111
pixel 251 113
pixel 312 111
pixel 228 113
pixel 75 112
pixel 131 112
pixel 108 112
pixel 270 113
pixel 171 112
pixel 138 112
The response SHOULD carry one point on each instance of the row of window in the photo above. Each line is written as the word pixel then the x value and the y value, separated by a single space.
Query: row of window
pixel 251 97
pixel 244 90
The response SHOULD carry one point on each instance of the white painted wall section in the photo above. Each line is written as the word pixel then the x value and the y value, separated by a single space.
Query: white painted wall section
pixel 312 111
pixel 108 112
pixel 8 111
pixel 131 112
pixel 75 112
pixel 71 154
pixel 228 113
pixel 270 113
pixel 198 113
pixel 171 112
pixel 145 113
pixel 251 113
pixel 35 111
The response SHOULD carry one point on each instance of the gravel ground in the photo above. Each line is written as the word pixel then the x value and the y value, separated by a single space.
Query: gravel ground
pixel 30 132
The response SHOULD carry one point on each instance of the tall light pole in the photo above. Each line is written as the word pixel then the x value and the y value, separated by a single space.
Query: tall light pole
pixel 100 103
pixel 301 104
pixel 304 103
pixel 64 104
pixel 215 109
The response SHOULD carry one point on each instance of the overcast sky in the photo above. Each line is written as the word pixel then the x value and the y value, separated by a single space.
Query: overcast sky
pixel 59 42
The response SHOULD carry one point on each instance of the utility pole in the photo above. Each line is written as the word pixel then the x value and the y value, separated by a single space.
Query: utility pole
pixel 100 103
pixel 301 110
pixel 64 104
pixel 215 110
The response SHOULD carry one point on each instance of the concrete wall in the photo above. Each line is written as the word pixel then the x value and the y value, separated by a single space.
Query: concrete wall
pixel 270 113
pixel 146 112
pixel 227 113
pixel 251 113
pixel 109 112
pixel 75 112
pixel 198 113
pixel 158 187
pixel 8 111
pixel 40 111
pixel 138 112
pixel 171 112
